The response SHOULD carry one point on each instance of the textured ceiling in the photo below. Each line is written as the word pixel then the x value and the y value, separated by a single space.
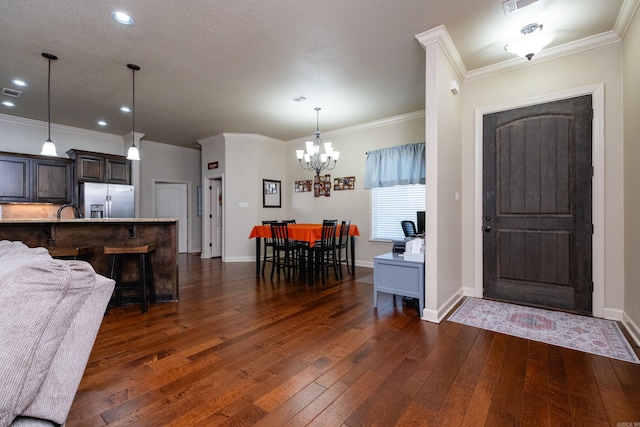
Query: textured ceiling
pixel 213 66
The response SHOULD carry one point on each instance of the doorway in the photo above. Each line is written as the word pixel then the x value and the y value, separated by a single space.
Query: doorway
pixel 537 205
pixel 216 198
pixel 172 202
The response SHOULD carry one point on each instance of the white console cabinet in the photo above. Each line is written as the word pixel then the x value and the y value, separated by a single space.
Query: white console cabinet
pixel 395 275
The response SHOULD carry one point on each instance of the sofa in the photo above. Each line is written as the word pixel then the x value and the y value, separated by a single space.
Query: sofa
pixel 50 314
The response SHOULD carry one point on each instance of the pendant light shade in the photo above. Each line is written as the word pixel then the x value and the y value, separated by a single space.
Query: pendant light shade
pixel 49 148
pixel 133 153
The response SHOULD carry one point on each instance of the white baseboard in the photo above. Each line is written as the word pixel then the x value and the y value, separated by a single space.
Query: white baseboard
pixel 613 314
pixel 434 316
pixel 632 328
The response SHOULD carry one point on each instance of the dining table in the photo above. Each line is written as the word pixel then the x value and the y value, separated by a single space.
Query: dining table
pixel 306 233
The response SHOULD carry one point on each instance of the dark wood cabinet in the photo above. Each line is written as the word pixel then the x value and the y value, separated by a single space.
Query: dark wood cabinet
pixel 97 167
pixel 51 180
pixel 15 178
pixel 28 178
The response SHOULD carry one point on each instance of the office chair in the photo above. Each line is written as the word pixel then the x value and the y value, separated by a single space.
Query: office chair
pixel 409 228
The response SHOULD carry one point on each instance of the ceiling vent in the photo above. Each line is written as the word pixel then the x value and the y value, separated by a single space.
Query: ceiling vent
pixel 297 99
pixel 11 92
pixel 511 6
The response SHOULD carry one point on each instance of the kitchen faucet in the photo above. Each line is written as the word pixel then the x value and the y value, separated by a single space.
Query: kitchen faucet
pixel 76 211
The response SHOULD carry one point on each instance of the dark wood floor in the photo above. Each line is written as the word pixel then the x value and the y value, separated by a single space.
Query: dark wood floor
pixel 239 350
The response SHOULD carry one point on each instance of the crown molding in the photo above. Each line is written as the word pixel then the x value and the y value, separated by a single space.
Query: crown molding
pixel 627 12
pixel 363 126
pixel 441 36
pixel 566 49
pixel 78 131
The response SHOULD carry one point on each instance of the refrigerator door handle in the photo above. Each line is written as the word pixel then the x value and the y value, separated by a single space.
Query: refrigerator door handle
pixel 108 206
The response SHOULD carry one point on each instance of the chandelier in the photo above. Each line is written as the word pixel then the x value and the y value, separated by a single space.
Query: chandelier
pixel 319 155
pixel 531 42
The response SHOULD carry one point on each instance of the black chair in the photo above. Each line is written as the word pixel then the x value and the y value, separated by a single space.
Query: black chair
pixel 409 228
pixel 285 251
pixel 342 244
pixel 289 221
pixel 324 250
pixel 267 255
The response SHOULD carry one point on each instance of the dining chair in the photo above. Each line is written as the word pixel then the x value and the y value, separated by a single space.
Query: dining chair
pixel 342 244
pixel 409 228
pixel 289 221
pixel 286 252
pixel 324 250
pixel 267 255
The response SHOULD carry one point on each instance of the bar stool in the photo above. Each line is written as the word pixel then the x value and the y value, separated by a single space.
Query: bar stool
pixel 145 283
pixel 70 253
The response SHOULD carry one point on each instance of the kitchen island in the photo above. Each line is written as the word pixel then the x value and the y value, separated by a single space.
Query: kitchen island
pixel 94 233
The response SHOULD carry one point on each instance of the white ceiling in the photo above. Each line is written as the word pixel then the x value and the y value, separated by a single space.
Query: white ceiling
pixel 213 66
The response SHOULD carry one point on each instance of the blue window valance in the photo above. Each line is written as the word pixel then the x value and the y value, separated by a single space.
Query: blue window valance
pixel 400 165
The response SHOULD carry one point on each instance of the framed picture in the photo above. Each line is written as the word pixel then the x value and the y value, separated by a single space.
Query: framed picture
pixel 271 194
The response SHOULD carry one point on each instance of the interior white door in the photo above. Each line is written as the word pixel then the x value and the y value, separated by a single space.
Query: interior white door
pixel 216 217
pixel 171 202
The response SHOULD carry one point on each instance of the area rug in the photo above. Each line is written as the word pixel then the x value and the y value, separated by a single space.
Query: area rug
pixel 596 336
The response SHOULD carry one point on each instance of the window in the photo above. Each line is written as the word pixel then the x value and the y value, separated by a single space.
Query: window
pixel 390 205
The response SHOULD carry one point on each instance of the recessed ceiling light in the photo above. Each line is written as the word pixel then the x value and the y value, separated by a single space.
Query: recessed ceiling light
pixel 8 104
pixel 20 83
pixel 122 17
pixel 125 109
pixel 102 123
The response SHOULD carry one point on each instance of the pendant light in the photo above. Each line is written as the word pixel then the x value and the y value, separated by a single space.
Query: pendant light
pixel 49 148
pixel 133 153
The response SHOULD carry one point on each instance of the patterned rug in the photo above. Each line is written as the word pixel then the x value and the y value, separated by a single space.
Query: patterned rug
pixel 588 334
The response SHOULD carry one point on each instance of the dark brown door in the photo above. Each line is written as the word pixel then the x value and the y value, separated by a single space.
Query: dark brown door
pixel 537 205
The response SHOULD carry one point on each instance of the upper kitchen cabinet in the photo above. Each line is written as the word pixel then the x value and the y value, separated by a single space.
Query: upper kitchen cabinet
pixel 97 167
pixel 51 180
pixel 26 178
pixel 15 178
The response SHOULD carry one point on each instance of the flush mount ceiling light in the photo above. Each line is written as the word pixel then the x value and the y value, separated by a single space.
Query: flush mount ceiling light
pixel 319 155
pixel 133 153
pixel 122 18
pixel 49 148
pixel 531 42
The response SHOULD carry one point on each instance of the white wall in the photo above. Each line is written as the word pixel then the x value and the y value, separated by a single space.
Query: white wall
pixel 602 65
pixel 632 178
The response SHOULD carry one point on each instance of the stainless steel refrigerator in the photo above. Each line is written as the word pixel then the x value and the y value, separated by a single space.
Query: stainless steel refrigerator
pixel 98 200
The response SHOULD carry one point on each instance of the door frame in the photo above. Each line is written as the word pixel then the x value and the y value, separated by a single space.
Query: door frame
pixel 189 192
pixel 597 97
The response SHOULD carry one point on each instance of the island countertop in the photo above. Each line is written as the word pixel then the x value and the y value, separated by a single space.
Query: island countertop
pixel 95 233
pixel 84 220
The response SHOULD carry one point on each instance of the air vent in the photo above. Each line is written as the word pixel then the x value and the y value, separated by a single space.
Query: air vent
pixel 511 6
pixel 11 92
pixel 297 99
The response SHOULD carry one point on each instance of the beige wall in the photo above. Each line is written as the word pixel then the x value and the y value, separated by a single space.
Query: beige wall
pixel 632 177
pixel 159 162
pixel 171 164
pixel 601 65
pixel 353 144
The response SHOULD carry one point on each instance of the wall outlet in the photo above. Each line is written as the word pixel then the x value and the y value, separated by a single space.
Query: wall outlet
pixel 457 196
pixel 243 204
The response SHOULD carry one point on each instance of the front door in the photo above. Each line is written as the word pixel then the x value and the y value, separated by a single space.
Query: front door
pixel 537 174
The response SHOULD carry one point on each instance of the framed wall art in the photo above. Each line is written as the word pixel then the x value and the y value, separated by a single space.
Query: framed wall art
pixel 271 194
pixel 344 183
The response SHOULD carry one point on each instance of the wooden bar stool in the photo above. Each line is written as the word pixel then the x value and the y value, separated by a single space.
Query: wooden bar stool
pixel 145 283
pixel 70 253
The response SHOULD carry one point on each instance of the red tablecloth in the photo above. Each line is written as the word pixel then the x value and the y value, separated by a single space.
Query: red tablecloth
pixel 309 233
